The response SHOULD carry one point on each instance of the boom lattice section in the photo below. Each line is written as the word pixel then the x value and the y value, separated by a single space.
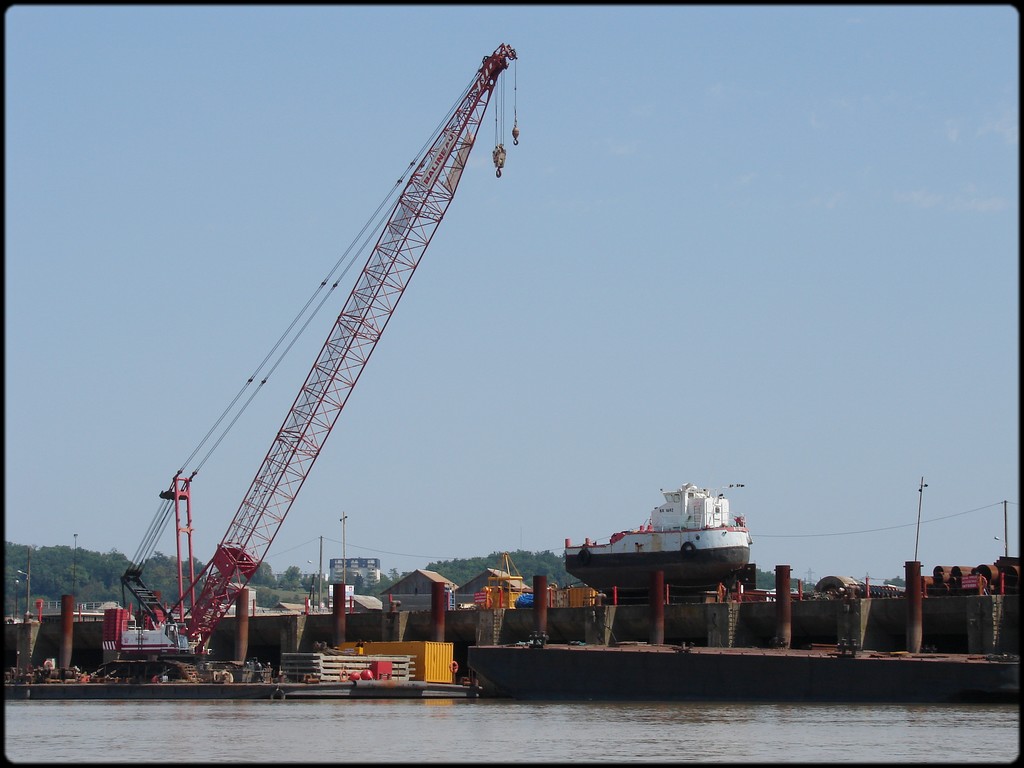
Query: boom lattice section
pixel 405 237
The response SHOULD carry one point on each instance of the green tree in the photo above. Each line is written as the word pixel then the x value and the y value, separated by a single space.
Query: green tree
pixel 264 576
pixel 291 579
pixel 386 581
pixel 528 564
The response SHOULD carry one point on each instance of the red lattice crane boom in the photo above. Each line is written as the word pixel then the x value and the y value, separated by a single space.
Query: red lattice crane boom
pixel 404 239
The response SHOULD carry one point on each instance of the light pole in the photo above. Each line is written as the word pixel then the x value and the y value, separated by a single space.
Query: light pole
pixel 1006 534
pixel 312 592
pixel 920 498
pixel 344 562
pixel 28 584
pixel 320 578
pixel 74 568
pixel 17 597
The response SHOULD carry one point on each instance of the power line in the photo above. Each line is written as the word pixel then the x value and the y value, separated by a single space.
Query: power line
pixel 872 530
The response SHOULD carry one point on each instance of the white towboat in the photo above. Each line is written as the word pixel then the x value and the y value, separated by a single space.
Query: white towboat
pixel 691 538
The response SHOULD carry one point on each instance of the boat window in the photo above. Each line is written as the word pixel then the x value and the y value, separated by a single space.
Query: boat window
pixel 675 497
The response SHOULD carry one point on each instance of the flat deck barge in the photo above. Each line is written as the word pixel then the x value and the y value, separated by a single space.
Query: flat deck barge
pixel 675 673
pixel 360 689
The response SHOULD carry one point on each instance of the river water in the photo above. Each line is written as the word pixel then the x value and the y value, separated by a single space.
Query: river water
pixel 502 731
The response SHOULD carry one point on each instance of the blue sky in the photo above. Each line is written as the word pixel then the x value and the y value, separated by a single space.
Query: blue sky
pixel 776 246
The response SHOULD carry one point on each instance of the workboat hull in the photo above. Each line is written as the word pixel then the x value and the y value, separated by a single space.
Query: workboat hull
pixel 671 673
pixel 701 568
pixel 692 538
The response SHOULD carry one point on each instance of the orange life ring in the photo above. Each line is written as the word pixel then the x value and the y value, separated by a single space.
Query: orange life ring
pixel 454 667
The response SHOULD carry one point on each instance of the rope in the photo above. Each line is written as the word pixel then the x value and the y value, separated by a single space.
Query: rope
pixel 368 233
pixel 363 240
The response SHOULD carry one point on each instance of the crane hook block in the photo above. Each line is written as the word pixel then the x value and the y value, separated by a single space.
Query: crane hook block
pixel 515 134
pixel 499 159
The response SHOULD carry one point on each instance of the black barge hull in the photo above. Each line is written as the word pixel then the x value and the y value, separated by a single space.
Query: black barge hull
pixel 671 673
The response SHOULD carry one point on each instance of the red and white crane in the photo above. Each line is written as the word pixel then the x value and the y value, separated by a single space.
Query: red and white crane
pixel 402 242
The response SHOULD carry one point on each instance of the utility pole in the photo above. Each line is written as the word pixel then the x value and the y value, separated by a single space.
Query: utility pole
pixel 28 583
pixel 21 572
pixel 1006 533
pixel 344 561
pixel 920 498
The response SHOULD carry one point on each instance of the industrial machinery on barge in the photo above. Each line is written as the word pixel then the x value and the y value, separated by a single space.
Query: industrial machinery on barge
pixel 180 632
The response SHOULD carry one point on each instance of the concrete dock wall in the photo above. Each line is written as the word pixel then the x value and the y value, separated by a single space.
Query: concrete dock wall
pixel 981 624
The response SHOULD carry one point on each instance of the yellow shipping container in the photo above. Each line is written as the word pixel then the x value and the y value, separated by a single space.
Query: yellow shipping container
pixel 432 662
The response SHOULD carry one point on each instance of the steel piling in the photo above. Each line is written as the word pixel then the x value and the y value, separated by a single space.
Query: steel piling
pixel 783 607
pixel 913 592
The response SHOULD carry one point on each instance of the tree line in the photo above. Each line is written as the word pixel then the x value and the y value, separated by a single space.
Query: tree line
pixel 95 577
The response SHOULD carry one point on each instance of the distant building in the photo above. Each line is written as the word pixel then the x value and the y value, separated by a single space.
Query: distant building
pixel 414 591
pixel 365 603
pixel 283 607
pixel 348 568
pixel 357 604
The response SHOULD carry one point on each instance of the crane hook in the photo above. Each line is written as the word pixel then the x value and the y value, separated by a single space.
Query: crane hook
pixel 499 159
pixel 515 133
